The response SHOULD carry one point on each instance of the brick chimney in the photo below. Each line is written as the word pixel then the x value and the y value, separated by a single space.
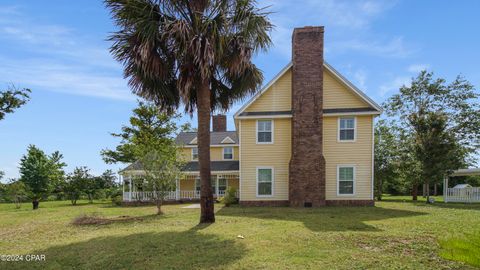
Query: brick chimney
pixel 307 164
pixel 219 122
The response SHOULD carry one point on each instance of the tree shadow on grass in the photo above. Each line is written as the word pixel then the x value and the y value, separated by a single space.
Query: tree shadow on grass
pixel 165 250
pixel 322 219
pixel 440 204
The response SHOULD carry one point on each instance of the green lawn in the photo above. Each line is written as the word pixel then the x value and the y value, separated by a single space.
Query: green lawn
pixel 393 235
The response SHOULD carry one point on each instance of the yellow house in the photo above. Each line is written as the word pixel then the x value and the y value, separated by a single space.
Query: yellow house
pixel 306 139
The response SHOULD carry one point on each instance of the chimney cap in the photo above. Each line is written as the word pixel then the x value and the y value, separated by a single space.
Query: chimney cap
pixel 309 29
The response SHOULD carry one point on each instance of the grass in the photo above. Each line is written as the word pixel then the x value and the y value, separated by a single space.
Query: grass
pixel 393 235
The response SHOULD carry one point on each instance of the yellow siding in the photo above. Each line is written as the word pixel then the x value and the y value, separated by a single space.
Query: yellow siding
pixel 276 155
pixel 216 153
pixel 187 184
pixel 277 98
pixel 336 95
pixel 358 153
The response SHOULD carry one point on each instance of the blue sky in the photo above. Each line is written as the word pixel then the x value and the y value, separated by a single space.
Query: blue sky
pixel 59 50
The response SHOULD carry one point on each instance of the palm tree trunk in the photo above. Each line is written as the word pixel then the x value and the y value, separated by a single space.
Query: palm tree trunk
pixel 203 138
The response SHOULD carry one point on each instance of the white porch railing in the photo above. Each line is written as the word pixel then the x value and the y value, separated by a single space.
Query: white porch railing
pixel 466 195
pixel 172 195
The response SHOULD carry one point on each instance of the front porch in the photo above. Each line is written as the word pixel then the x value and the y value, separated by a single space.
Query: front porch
pixel 187 188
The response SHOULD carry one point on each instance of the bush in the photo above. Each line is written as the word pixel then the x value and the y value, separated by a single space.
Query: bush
pixel 117 199
pixel 230 197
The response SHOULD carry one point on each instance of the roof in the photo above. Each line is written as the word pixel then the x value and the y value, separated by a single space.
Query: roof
pixel 216 138
pixel 462 186
pixel 325 111
pixel 374 106
pixel 465 172
pixel 215 166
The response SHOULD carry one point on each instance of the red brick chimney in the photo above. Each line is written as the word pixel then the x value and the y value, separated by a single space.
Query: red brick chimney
pixel 307 164
pixel 219 122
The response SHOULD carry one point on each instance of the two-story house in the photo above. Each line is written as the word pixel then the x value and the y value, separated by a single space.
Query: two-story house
pixel 306 139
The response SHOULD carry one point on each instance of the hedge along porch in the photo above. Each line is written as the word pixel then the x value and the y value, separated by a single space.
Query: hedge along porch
pixel 224 174
pixel 464 194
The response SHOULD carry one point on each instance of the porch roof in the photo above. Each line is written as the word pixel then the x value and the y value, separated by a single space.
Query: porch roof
pixel 215 166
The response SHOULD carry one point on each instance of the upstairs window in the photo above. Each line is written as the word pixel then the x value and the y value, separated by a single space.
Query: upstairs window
pixel 265 131
pixel 346 180
pixel 346 129
pixel 195 153
pixel 228 153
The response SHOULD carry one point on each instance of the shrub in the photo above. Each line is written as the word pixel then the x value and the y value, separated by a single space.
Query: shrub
pixel 117 199
pixel 230 197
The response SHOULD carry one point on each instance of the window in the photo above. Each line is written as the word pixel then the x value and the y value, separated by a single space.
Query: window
pixel 346 131
pixel 228 153
pixel 346 180
pixel 197 184
pixel 222 185
pixel 264 131
pixel 195 153
pixel 213 182
pixel 264 182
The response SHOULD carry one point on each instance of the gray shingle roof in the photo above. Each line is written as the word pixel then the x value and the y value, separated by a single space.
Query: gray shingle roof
pixel 215 166
pixel 216 138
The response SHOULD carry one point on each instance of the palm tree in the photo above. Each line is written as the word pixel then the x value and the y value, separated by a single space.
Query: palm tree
pixel 193 54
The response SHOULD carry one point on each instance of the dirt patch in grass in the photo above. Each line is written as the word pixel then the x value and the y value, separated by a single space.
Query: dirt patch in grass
pixel 95 219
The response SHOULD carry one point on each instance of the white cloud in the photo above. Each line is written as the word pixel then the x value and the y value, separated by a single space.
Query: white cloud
pixel 59 59
pixel 394 85
pixel 360 77
pixel 347 26
pixel 394 47
pixel 416 68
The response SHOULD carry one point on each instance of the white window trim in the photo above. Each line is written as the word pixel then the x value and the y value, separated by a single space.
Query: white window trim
pixel 354 179
pixel 223 153
pixel 256 131
pixel 273 182
pixel 354 129
pixel 193 159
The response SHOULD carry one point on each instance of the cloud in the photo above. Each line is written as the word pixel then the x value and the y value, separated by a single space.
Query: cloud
pixel 416 68
pixel 347 24
pixel 394 47
pixel 394 85
pixel 360 77
pixel 58 59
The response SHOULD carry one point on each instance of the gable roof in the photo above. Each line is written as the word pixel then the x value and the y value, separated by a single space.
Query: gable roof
pixel 377 108
pixel 216 138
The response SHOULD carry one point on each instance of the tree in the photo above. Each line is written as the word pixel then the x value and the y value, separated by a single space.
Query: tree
pixel 40 172
pixel 13 98
pixel 196 54
pixel 435 147
pixel 148 128
pixel 76 183
pixel 161 169
pixel 431 108
pixel 385 157
pixel 15 190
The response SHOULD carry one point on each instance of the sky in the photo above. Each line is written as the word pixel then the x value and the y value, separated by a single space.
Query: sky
pixel 59 49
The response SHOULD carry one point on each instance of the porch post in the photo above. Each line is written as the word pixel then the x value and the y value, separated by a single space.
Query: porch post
pixel 445 189
pixel 130 188
pixel 123 186
pixel 177 189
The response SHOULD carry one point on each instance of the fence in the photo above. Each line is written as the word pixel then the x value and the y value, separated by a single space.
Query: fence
pixel 466 195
